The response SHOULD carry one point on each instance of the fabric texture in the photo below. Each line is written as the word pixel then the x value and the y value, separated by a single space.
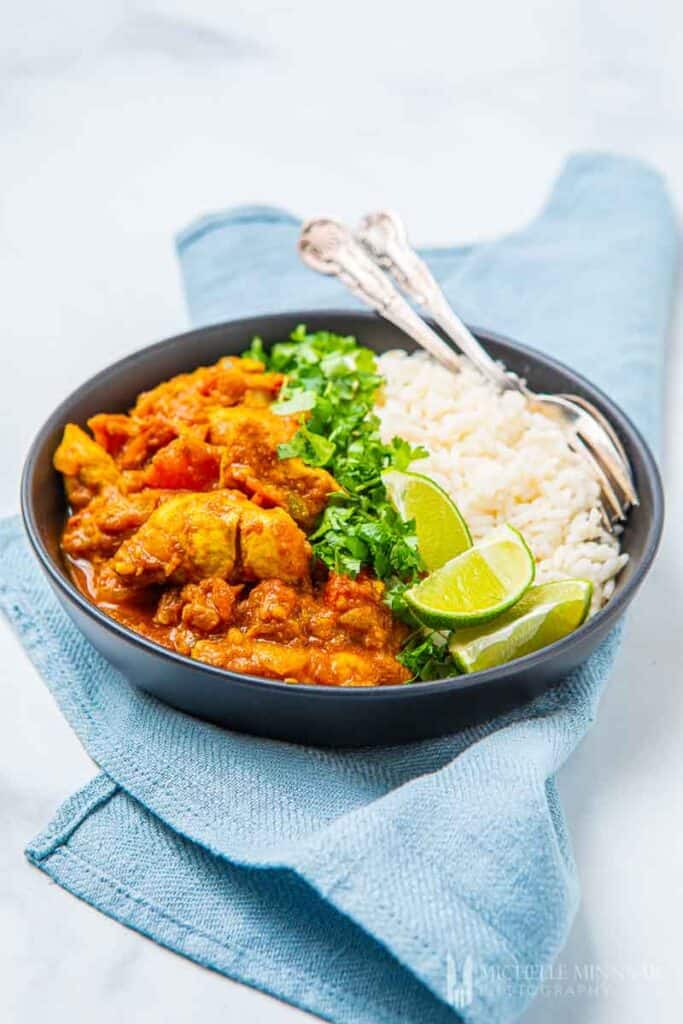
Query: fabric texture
pixel 427 882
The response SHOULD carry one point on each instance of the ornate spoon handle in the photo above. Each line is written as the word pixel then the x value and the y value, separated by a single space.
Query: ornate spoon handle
pixel 384 237
pixel 330 248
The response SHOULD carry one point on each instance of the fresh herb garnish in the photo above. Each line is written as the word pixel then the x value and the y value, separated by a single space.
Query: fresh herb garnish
pixel 334 381
pixel 426 655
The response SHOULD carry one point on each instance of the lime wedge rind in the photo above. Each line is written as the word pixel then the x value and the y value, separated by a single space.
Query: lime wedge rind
pixel 476 586
pixel 442 533
pixel 545 614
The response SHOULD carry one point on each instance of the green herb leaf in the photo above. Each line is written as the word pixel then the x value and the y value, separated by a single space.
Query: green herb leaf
pixel 256 350
pixel 426 655
pixel 314 449
pixel 301 401
pixel 403 454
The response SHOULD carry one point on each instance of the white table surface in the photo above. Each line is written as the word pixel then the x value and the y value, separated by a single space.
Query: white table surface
pixel 120 121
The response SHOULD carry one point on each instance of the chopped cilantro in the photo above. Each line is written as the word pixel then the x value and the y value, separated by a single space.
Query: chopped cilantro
pixel 314 449
pixel 300 402
pixel 426 655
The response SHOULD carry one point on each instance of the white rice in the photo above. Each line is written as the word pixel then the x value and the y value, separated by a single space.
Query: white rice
pixel 502 463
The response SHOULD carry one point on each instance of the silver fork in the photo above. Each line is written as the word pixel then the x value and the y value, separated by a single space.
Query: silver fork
pixel 330 248
pixel 589 433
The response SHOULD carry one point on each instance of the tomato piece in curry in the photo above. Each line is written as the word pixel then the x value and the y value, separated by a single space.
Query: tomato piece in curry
pixel 186 526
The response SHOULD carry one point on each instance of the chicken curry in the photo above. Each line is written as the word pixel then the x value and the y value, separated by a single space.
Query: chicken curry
pixel 188 526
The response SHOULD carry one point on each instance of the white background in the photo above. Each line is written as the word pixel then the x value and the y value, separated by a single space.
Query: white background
pixel 122 120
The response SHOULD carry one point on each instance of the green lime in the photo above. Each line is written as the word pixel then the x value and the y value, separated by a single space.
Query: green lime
pixel 441 531
pixel 543 615
pixel 478 584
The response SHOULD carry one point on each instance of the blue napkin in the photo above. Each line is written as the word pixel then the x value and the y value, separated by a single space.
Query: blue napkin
pixel 429 882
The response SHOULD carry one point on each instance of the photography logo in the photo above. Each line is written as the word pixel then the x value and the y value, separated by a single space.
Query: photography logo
pixel 459 983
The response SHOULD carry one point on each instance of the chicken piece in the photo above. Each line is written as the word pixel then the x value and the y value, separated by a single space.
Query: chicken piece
pixel 250 439
pixel 179 407
pixel 130 440
pixel 108 588
pixel 355 667
pixel 201 607
pixel 360 612
pixel 186 539
pixel 304 489
pixel 218 533
pixel 273 611
pixel 240 427
pixel 188 396
pixel 254 657
pixel 170 607
pixel 300 663
pixel 111 430
pixel 346 613
pixel 209 605
pixel 106 521
pixel 88 469
pixel 272 546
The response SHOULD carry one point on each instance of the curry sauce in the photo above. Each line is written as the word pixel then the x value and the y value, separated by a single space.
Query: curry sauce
pixel 188 527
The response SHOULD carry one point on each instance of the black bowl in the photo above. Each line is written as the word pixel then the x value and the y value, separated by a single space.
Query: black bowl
pixel 326 716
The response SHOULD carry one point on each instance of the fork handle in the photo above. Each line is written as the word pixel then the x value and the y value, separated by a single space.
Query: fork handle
pixel 330 248
pixel 384 237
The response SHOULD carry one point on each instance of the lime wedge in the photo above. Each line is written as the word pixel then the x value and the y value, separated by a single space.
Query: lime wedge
pixel 441 531
pixel 543 615
pixel 477 585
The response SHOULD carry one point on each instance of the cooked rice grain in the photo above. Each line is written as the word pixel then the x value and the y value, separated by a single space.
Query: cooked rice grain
pixel 502 463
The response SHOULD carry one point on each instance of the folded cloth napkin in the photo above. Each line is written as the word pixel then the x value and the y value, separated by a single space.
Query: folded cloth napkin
pixel 428 882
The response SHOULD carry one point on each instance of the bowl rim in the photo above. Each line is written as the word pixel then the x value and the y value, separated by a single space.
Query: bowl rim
pixel 596 624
